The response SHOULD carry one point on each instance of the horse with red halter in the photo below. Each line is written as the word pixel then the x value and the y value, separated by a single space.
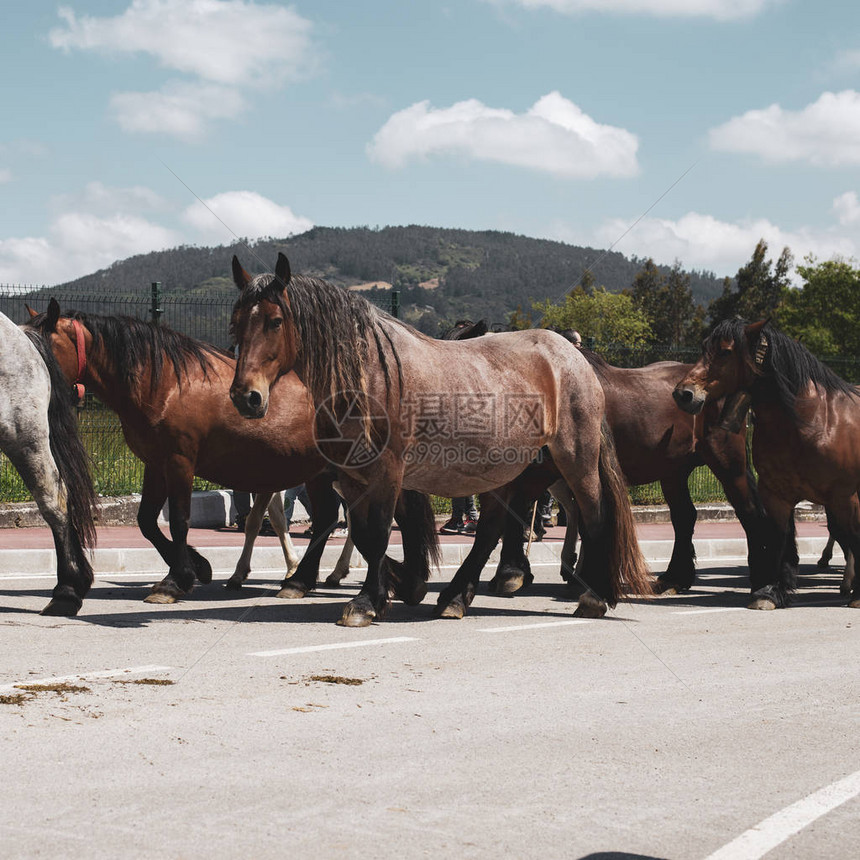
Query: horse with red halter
pixel 396 408
pixel 171 395
pixel 39 435
pixel 806 437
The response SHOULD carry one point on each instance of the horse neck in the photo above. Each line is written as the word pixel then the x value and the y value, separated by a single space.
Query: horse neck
pixel 124 397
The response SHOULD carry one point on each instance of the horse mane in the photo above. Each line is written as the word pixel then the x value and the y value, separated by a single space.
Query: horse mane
pixel 466 329
pixel 598 363
pixel 789 364
pixel 134 344
pixel 335 329
pixel 67 448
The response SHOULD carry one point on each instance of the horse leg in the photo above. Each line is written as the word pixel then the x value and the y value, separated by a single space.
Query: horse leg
pixel 681 573
pixel 561 492
pixel 186 564
pixel 514 570
pixel 282 529
pixel 408 578
pixel 458 595
pixel 252 529
pixel 371 514
pixel 39 472
pixel 769 585
pixel 844 521
pixel 826 554
pixel 324 506
pixel 610 559
pixel 341 568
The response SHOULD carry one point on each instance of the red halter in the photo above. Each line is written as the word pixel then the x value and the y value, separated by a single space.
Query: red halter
pixel 77 385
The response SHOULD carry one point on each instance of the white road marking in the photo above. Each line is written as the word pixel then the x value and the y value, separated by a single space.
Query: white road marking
pixel 332 646
pixel 705 611
pixel 83 676
pixel 516 627
pixel 766 835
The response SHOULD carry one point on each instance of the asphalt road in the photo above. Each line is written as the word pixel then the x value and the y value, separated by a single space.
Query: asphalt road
pixel 680 727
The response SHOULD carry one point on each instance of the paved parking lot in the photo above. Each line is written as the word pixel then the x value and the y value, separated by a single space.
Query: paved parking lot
pixel 232 725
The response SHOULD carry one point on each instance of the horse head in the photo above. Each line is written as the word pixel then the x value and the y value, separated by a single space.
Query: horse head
pixel 732 358
pixel 69 340
pixel 265 336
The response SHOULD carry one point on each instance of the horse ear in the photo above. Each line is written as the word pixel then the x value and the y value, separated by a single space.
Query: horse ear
pixel 30 311
pixel 52 315
pixel 282 269
pixel 240 277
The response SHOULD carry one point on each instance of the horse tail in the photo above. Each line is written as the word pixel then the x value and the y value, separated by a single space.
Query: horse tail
pixel 68 450
pixel 628 571
pixel 417 522
pixel 420 516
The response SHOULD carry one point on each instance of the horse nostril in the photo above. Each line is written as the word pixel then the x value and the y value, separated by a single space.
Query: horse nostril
pixel 255 399
pixel 683 395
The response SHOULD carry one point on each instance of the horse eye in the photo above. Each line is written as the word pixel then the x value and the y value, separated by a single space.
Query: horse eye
pixel 724 353
pixel 275 323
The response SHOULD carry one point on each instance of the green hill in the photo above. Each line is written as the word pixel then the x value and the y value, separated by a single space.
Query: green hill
pixel 443 274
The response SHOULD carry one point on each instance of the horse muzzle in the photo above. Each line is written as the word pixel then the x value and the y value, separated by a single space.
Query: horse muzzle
pixel 249 403
pixel 689 399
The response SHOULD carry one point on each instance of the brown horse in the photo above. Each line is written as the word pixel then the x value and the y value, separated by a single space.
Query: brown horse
pixel 396 408
pixel 806 436
pixel 657 441
pixel 171 395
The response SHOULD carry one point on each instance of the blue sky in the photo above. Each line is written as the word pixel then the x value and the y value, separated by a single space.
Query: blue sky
pixel 692 128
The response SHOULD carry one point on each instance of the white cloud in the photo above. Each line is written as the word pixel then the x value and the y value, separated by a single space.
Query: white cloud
pixel 225 46
pixel 554 136
pixel 847 208
pixel 224 41
pixel 720 10
pixel 180 110
pixel 704 242
pixel 824 133
pixel 79 243
pixel 5 174
pixel 243 213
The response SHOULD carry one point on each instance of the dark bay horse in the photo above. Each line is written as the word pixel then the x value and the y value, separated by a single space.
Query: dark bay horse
pixel 171 395
pixel 806 437
pixel 396 408
pixel 39 435
pixel 657 441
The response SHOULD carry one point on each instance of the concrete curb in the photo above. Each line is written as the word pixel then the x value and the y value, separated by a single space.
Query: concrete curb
pixel 146 563
pixel 212 509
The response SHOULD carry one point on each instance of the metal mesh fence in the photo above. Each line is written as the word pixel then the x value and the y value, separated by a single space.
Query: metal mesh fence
pixel 116 471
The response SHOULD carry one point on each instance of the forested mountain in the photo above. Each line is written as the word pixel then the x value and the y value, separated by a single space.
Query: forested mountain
pixel 443 274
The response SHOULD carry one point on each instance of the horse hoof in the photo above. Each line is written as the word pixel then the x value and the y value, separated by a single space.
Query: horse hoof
pixel 854 604
pixel 667 587
pixel 590 607
pixel 203 572
pixel 761 603
pixel 234 583
pixel 357 613
pixel 61 608
pixel 455 609
pixel 335 579
pixel 292 591
pixel 411 592
pixel 160 597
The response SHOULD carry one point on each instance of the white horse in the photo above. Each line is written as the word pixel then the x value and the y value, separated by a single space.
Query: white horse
pixel 39 435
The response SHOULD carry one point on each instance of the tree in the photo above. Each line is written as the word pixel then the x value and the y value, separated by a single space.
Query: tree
pixel 825 312
pixel 759 290
pixel 606 317
pixel 668 304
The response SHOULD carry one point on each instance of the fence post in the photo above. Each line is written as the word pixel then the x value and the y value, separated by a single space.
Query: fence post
pixel 155 309
pixel 395 302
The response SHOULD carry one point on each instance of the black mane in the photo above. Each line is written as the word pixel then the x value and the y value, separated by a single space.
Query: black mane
pixel 134 344
pixel 788 364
